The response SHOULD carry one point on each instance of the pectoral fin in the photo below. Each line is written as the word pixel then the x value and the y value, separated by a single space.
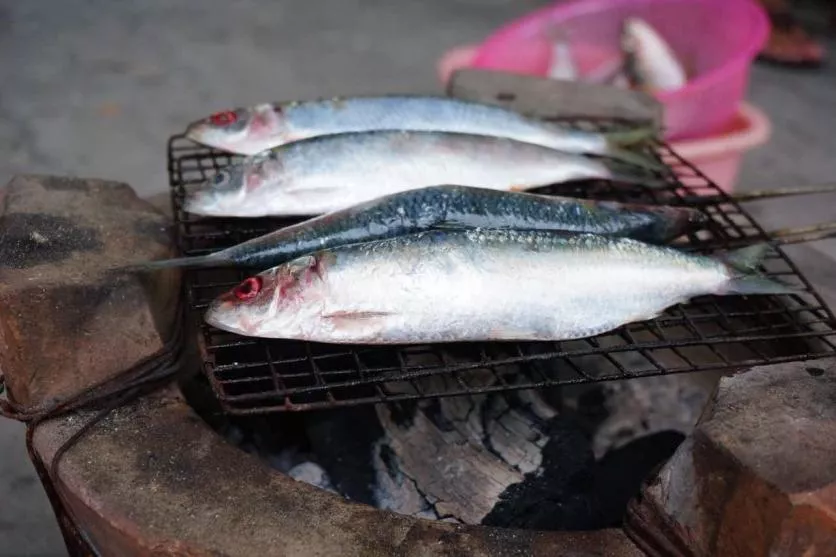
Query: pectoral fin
pixel 367 322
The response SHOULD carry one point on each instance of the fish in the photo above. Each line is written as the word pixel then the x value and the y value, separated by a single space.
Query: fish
pixel 328 173
pixel 650 63
pixel 476 285
pixel 562 64
pixel 448 207
pixel 251 130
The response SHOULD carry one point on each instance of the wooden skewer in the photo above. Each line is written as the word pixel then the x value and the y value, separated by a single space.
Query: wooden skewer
pixel 803 234
pixel 757 195
pixel 782 237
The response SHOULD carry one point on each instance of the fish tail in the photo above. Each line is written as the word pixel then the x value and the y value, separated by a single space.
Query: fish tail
pixel 746 259
pixel 619 141
pixel 672 222
pixel 629 138
pixel 175 263
pixel 629 174
pixel 745 279
pixel 757 284
pixel 636 158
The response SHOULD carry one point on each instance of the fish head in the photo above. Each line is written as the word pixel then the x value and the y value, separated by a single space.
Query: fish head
pixel 245 131
pixel 237 190
pixel 650 62
pixel 283 301
pixel 631 49
pixel 630 30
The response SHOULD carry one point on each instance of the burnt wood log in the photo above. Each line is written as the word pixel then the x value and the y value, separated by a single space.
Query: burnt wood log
pixel 547 97
pixel 502 459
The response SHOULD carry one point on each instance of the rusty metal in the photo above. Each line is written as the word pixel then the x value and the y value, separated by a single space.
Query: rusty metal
pixel 251 375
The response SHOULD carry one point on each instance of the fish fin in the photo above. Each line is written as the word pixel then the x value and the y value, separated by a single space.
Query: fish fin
pixel 757 284
pixel 669 223
pixel 636 158
pixel 743 264
pixel 746 259
pixel 369 321
pixel 680 221
pixel 629 174
pixel 347 316
pixel 636 136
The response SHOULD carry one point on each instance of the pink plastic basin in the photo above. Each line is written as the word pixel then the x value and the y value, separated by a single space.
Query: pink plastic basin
pixel 716 40
pixel 719 155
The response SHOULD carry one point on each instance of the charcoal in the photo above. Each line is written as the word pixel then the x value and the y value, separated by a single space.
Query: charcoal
pixel 343 443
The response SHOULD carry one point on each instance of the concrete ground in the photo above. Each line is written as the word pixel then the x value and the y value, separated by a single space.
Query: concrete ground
pixel 91 89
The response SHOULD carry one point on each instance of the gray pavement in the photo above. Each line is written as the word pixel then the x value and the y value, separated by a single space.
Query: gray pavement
pixel 93 88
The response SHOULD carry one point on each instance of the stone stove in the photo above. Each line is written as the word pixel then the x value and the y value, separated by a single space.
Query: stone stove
pixel 755 476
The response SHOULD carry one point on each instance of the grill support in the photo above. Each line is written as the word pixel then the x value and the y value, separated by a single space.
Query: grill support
pixel 132 478
pixel 254 376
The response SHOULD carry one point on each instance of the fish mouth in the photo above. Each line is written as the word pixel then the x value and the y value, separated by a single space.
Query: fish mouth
pixel 197 202
pixel 196 131
pixel 204 134
pixel 203 199
pixel 218 313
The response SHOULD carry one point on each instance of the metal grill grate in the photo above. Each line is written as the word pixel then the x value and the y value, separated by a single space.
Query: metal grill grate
pixel 252 375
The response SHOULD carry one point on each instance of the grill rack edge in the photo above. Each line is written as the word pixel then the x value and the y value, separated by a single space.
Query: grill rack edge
pixel 254 376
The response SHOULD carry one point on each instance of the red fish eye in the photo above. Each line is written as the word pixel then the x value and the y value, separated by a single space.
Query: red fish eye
pixel 248 289
pixel 223 118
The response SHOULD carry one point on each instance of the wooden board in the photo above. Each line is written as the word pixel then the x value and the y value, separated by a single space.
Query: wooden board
pixel 542 97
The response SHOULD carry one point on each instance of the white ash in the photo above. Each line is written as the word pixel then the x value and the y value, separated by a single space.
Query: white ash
pixel 640 407
pixel 312 473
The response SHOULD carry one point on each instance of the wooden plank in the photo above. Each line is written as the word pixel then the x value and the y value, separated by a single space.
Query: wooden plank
pixel 543 97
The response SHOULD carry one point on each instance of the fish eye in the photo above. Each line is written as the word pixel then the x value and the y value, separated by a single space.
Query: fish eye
pixel 220 178
pixel 248 289
pixel 224 118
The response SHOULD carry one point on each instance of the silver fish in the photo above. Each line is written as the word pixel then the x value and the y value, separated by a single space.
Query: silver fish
pixel 562 64
pixel 477 285
pixel 330 173
pixel 248 131
pixel 650 63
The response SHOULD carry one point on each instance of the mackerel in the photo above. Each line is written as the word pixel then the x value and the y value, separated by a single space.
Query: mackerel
pixel 329 173
pixel 448 207
pixel 477 285
pixel 251 130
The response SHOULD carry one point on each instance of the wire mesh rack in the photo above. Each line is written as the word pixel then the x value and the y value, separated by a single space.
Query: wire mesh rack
pixel 252 375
